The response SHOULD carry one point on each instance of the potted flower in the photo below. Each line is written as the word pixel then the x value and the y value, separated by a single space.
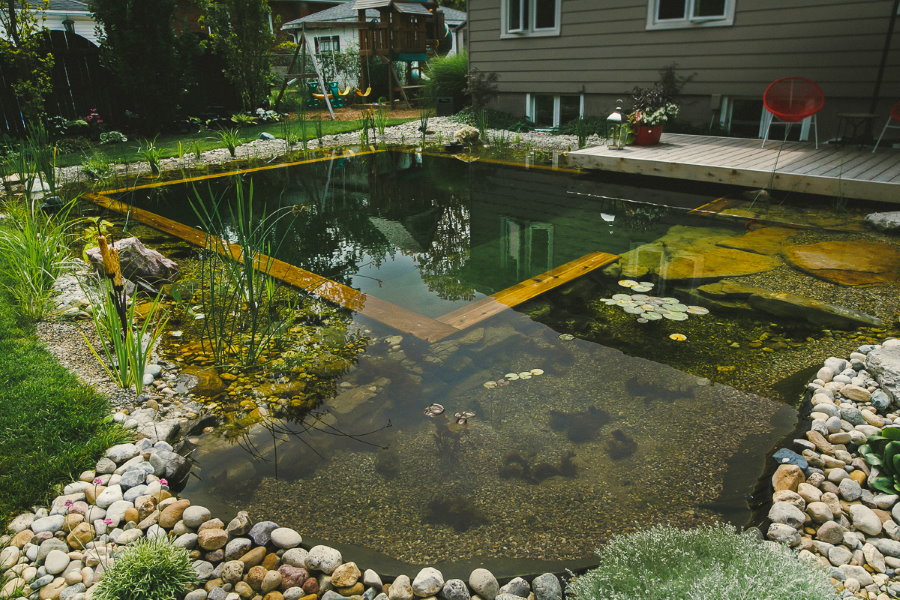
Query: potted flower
pixel 653 108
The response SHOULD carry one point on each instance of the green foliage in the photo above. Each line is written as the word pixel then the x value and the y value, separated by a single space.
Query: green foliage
pixel 52 424
pixel 666 563
pixel 138 44
pixel 340 66
pixel 237 293
pixel 97 167
pixel 231 139
pixel 481 86
pixel 424 116
pixel 494 119
pixel 126 346
pixel 112 137
pixel 883 452
pixel 447 76
pixel 33 253
pixel 27 63
pixel 150 152
pixel 149 569
pixel 588 125
pixel 239 31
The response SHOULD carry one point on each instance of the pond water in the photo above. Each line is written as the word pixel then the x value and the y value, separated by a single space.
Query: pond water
pixel 599 424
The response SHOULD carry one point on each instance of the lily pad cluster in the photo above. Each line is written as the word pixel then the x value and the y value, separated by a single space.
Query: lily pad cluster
pixel 506 379
pixel 651 308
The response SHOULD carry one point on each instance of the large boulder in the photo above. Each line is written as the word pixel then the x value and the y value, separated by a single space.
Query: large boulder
pixel 888 222
pixel 139 262
pixel 884 365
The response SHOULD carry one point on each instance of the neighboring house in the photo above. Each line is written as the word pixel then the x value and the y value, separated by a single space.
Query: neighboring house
pixel 328 34
pixel 558 59
pixel 73 16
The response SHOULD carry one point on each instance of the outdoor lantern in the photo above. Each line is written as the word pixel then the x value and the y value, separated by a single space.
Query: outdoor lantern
pixel 614 126
pixel 69 25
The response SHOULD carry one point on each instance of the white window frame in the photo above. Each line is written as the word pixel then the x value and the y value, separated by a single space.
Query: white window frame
pixel 689 21
pixel 531 109
pixel 530 6
pixel 319 39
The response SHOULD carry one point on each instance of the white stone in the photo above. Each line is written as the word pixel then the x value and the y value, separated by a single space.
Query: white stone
pixel 286 538
pixel 428 582
pixel 324 559
pixel 56 562
pixel 485 585
pixel 864 519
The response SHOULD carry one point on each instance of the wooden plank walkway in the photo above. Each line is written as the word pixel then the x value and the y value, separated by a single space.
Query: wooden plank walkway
pixel 846 172
pixel 478 311
pixel 392 315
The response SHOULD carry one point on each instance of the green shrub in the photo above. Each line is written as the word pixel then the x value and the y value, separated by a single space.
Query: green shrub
pixel 113 137
pixel 494 119
pixel 666 563
pixel 149 569
pixel 447 76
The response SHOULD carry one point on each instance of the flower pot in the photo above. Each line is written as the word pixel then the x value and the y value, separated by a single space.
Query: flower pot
pixel 645 135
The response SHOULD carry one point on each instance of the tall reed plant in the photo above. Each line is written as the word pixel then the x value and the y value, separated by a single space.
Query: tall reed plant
pixel 238 293
pixel 424 117
pixel 149 151
pixel 34 252
pixel 381 117
pixel 126 345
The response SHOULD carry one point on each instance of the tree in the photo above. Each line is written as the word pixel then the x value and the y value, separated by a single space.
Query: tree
pixel 457 4
pixel 241 33
pixel 24 55
pixel 138 45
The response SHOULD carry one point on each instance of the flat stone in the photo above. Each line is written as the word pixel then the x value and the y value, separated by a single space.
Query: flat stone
pixel 121 452
pixel 884 365
pixel 195 516
pixel 261 533
pixel 765 240
pixel 346 575
pixel 172 513
pixel 831 532
pixel 212 539
pixel 888 222
pixel 50 524
pixel 847 263
pixel 286 538
pixel 295 557
pixel 787 477
pixel 864 519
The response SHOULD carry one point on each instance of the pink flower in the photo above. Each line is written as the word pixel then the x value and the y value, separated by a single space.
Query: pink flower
pixel 69 503
pixel 98 481
pixel 108 521
pixel 163 482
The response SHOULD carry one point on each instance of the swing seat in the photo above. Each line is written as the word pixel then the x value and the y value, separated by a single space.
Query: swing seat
pixel 345 92
pixel 321 96
pixel 364 94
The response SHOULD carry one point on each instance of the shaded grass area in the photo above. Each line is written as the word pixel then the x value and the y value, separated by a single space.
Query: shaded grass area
pixel 126 152
pixel 51 426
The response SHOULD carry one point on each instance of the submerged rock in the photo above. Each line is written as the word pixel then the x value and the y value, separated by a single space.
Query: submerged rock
pixel 889 222
pixel 847 263
pixel 139 262
pixel 788 306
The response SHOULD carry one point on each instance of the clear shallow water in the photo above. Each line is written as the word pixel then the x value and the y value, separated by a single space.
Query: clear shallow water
pixel 602 442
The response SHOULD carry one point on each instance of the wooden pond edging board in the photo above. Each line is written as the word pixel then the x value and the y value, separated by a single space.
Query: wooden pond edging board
pixel 392 315
pixel 843 172
pixel 476 312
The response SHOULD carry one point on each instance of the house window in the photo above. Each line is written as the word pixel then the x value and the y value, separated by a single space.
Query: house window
pixel 530 17
pixel 328 43
pixel 548 111
pixel 679 14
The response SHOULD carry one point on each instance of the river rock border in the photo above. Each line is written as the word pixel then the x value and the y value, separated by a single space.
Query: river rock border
pixel 822 504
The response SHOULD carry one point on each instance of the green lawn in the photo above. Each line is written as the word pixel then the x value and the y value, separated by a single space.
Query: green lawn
pixel 209 140
pixel 51 426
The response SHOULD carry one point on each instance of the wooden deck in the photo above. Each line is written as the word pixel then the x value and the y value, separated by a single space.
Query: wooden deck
pixel 392 315
pixel 846 172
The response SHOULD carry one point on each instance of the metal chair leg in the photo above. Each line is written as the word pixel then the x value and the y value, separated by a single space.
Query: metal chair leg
pixel 883 130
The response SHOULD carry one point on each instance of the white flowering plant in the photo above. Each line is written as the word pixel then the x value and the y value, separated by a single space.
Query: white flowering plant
pixel 652 106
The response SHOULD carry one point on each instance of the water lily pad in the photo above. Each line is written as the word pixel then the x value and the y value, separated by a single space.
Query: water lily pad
pixel 651 315
pixel 618 297
pixel 669 300
pixel 678 337
pixel 675 316
pixel 607 301
pixel 679 308
pixel 628 283
pixel 537 371
pixel 490 384
pixel 626 303
pixel 512 376
pixel 648 307
pixel 566 337
pixel 643 320
pixel 642 288
pixel 633 310
pixel 525 375
pixel 698 310
pixel 641 298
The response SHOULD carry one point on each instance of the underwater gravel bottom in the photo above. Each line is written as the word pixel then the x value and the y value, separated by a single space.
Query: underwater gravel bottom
pixel 600 443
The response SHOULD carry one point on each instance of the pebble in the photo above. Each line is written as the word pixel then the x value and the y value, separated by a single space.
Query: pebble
pixel 401 588
pixel 455 589
pixel 261 533
pixel 285 538
pixel 865 520
pixel 485 585
pixel 324 559
pixel 547 587
pixel 56 562
pixel 195 516
pixel 428 582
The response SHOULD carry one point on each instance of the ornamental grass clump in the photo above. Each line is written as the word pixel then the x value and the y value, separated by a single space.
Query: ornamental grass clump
pixel 709 562
pixel 149 569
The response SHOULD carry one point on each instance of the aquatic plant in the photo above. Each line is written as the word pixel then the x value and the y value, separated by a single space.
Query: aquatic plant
pixel 580 426
pixel 424 117
pixel 454 510
pixel 713 561
pixel 125 346
pixel 516 466
pixel 231 138
pixel 33 253
pixel 151 153
pixel 237 291
pixel 150 569
pixel 883 452
pixel 620 445
pixel 381 118
pixel 97 167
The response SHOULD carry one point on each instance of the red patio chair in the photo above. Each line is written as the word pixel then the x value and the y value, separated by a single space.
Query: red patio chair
pixel 790 100
pixel 894 116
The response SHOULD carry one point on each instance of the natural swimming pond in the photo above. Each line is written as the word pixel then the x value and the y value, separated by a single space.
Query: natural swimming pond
pixel 590 414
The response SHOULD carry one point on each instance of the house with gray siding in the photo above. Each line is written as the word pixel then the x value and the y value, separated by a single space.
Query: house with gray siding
pixel 558 59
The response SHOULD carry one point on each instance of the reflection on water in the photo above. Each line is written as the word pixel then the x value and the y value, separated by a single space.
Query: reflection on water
pixel 547 443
